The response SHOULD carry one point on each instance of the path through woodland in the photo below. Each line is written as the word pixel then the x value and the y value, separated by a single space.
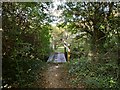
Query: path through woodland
pixel 55 75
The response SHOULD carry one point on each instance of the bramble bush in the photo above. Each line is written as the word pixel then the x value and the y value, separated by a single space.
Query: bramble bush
pixel 93 75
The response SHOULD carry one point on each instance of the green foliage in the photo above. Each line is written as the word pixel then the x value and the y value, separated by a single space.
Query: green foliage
pixel 26 41
pixel 93 75
pixel 92 18
pixel 94 49
pixel 95 54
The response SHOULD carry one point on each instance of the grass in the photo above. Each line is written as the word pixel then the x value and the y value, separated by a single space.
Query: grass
pixel 60 49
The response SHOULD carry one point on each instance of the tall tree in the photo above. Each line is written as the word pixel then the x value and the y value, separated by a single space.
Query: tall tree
pixel 90 17
pixel 26 38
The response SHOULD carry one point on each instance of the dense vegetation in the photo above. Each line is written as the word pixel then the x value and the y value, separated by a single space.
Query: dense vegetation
pixel 25 41
pixel 91 28
pixel 95 49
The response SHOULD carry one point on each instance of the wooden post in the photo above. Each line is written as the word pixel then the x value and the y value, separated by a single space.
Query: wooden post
pixel 65 53
pixel 68 53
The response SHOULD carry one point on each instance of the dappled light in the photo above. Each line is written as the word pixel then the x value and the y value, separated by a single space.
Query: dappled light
pixel 61 45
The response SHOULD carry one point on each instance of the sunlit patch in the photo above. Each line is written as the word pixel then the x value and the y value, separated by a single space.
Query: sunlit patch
pixel 56 75
pixel 6 85
pixel 9 86
pixel 56 66
pixel 1 86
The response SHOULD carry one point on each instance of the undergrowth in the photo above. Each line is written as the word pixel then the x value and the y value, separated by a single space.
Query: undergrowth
pixel 23 75
pixel 98 75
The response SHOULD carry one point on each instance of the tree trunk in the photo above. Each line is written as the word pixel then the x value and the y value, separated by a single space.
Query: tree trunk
pixel 98 41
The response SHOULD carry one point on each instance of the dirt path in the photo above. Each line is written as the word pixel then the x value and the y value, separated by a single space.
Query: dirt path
pixel 55 76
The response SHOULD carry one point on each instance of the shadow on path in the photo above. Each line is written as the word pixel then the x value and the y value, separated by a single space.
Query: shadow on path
pixel 55 76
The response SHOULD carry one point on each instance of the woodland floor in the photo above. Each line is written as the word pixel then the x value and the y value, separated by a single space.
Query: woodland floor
pixel 55 75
